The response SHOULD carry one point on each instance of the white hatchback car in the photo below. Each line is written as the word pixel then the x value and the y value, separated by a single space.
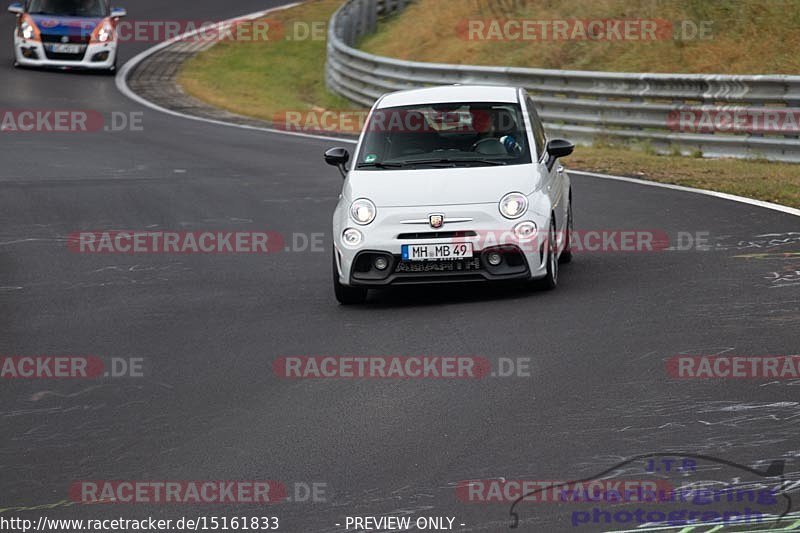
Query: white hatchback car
pixel 66 34
pixel 451 184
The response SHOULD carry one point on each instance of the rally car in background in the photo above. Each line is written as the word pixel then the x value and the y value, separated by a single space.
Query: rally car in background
pixel 457 183
pixel 78 34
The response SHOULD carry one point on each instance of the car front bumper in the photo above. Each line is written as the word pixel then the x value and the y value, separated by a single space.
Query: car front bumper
pixel 479 224
pixel 99 56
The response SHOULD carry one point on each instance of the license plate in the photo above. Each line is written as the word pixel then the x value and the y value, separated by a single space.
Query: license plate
pixel 437 251
pixel 65 48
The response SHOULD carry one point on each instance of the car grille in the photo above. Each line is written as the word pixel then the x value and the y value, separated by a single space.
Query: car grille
pixel 81 39
pixel 458 265
pixel 436 235
pixel 73 39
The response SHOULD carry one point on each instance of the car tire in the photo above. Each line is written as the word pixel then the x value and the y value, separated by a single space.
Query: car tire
pixel 566 255
pixel 550 281
pixel 344 294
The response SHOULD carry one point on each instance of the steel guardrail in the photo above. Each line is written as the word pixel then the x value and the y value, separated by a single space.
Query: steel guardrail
pixel 583 106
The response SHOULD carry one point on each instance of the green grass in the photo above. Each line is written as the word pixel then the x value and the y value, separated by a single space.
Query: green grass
pixel 262 79
pixel 772 182
pixel 747 37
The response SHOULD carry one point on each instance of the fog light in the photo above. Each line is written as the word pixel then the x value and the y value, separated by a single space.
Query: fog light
pixel 352 237
pixel 381 263
pixel 494 259
pixel 525 230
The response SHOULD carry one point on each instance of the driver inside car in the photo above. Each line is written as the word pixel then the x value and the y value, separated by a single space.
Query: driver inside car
pixel 497 132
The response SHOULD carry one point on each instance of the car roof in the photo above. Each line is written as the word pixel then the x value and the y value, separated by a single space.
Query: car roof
pixel 450 94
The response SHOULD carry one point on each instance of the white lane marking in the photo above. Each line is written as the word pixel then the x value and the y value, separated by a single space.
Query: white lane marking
pixel 122 86
pixel 722 195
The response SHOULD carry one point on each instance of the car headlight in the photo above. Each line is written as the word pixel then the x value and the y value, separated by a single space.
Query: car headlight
pixel 28 29
pixel 513 205
pixel 363 211
pixel 104 32
pixel 352 237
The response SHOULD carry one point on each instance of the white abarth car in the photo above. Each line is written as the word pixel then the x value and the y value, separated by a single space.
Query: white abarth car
pixel 66 34
pixel 451 184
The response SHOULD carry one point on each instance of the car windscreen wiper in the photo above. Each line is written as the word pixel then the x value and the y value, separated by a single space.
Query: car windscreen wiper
pixel 380 165
pixel 493 162
pixel 447 161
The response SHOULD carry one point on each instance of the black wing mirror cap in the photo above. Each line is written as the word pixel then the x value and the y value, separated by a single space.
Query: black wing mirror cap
pixel 560 148
pixel 338 157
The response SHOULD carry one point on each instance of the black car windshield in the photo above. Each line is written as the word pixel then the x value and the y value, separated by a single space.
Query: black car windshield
pixel 445 136
pixel 69 8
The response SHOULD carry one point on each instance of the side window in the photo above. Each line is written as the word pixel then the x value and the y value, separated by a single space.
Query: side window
pixel 538 128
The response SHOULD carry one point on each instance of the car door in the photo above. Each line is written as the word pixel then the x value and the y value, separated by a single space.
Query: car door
pixel 554 182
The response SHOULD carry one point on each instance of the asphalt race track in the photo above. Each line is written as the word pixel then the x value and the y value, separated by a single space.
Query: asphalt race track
pixel 208 328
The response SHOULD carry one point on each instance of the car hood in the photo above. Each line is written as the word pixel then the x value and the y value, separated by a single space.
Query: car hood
pixel 70 26
pixel 440 186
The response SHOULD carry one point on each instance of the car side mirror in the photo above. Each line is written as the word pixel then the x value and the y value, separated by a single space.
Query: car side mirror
pixel 338 157
pixel 559 148
pixel 16 8
pixel 118 12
